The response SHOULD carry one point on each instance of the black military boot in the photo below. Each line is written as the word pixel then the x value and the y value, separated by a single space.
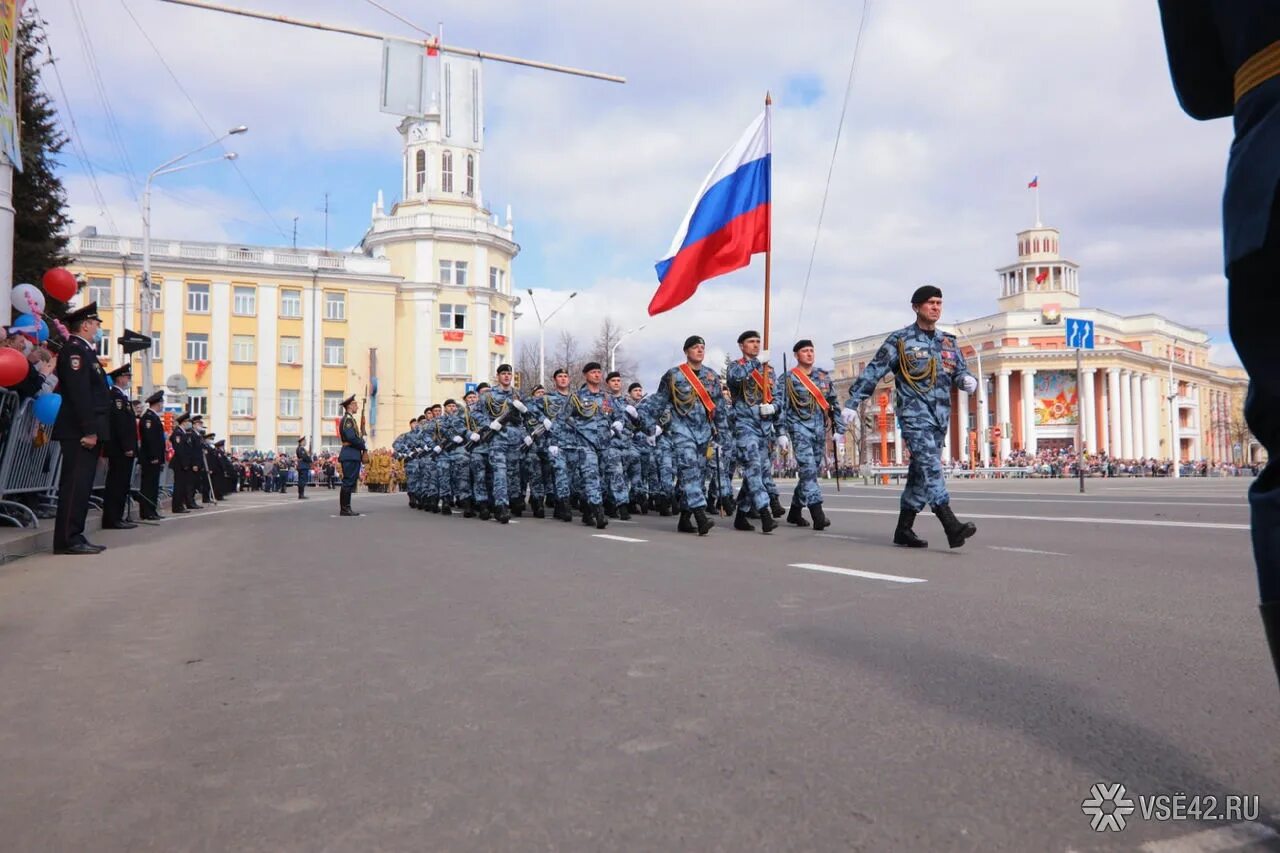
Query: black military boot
pixel 517 507
pixel 413 502
pixel 588 515
pixel 704 523
pixel 820 520
pixel 662 505
pixel 502 513
pixel 775 506
pixel 740 522
pixel 562 510
pixel 767 524
pixel 484 514
pixel 640 506
pixel 446 506
pixel 468 508
pixel 729 505
pixel 624 512
pixel 685 525
pixel 536 505
pixel 752 512
pixel 433 503
pixel 610 508
pixel 904 535
pixel 1271 622
pixel 957 531
pixel 796 515
pixel 598 512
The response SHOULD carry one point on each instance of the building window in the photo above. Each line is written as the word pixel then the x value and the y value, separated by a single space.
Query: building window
pixel 242 348
pixel 420 167
pixel 157 288
pixel 290 350
pixel 497 279
pixel 198 401
pixel 244 300
pixel 290 303
pixel 155 346
pixel 330 442
pixel 99 292
pixel 335 352
pixel 453 362
pixel 333 404
pixel 495 359
pixel 453 316
pixel 471 175
pixel 242 443
pixel 197 299
pixel 497 323
pixel 197 346
pixel 241 402
pixel 289 400
pixel 335 305
pixel 453 272
pixel 446 172
pixel 103 344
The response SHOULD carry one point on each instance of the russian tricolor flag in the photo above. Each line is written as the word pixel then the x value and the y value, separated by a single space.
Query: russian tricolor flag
pixel 1033 183
pixel 727 224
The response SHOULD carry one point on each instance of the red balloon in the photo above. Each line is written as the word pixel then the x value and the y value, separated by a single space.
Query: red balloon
pixel 60 284
pixel 13 367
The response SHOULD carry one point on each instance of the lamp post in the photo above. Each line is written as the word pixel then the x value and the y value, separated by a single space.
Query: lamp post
pixel 1175 443
pixel 148 297
pixel 618 343
pixel 983 448
pixel 542 333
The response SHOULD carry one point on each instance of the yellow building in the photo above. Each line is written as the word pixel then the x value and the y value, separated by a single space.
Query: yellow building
pixel 1146 389
pixel 270 339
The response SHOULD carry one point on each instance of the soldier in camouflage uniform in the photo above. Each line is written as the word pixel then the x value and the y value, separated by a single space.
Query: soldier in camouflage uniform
pixel 808 401
pixel 617 485
pixel 400 446
pixel 639 471
pixel 589 423
pixel 925 364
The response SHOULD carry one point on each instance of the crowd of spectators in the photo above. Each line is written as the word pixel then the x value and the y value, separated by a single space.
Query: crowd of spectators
pixel 40 364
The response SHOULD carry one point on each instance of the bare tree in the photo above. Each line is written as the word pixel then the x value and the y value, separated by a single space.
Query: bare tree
pixel 607 338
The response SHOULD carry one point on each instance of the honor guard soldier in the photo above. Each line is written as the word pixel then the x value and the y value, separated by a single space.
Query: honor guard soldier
pixel 589 432
pixel 1225 59
pixel 351 455
pixel 121 450
pixel 751 387
pixel 151 445
pixel 81 424
pixel 304 467
pixel 925 364
pixel 808 408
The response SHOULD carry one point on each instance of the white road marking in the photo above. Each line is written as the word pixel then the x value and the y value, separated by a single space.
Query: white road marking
pixel 1232 837
pixel 1082 499
pixel 839 536
pixel 854 573
pixel 616 538
pixel 1070 519
pixel 1028 551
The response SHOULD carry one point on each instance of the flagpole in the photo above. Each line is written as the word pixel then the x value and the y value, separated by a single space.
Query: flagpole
pixel 1037 189
pixel 768 252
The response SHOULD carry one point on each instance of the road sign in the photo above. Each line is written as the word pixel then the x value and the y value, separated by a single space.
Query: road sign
pixel 1079 333
pixel 176 383
pixel 471 386
pixel 995 433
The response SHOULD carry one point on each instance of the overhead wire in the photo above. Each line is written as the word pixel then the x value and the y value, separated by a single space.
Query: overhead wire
pixel 853 64
pixel 393 13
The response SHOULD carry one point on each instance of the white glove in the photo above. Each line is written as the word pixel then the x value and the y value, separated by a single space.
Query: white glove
pixel 657 431
pixel 631 410
pixel 546 422
pixel 475 436
pixel 457 439
pixel 652 440
pixel 848 416
pixel 520 407
pixel 763 357
pixel 968 384
pixel 617 427
pixel 767 409
pixel 496 425
pixel 553 450
pixel 528 440
pixel 437 448
pixel 784 444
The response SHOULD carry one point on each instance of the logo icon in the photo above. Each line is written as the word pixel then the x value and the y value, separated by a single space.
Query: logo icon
pixel 1107 806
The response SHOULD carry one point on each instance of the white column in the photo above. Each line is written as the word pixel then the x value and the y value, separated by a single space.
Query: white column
pixel 426 363
pixel 118 320
pixel 1150 416
pixel 311 406
pixel 1126 416
pixel 1029 411
pixel 1087 412
pixel 1002 414
pixel 961 418
pixel 171 343
pixel 1196 451
pixel 482 369
pixel 897 439
pixel 268 405
pixel 1138 410
pixel 219 417
pixel 1113 412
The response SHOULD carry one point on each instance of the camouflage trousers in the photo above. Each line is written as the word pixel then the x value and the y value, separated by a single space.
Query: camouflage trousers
pixel 925 484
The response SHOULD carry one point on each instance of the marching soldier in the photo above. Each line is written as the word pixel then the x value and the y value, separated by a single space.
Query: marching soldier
pixel 121 450
pixel 751 385
pixel 639 472
pixel 401 447
pixel 925 364
pixel 80 426
pixel 351 455
pixel 617 488
pixel 304 467
pixel 553 408
pixel 589 424
pixel 151 447
pixel 691 390
pixel 808 405
pixel 463 426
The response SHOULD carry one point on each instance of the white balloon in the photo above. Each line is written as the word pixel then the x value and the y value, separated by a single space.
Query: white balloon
pixel 28 299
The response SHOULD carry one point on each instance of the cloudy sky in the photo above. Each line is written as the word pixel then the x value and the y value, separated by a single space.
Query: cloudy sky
pixel 954 108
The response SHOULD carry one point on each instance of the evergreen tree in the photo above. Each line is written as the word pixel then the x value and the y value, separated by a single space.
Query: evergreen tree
pixel 39 199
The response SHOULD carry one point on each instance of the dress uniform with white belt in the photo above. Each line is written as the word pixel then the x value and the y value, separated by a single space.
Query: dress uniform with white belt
pixel 353 450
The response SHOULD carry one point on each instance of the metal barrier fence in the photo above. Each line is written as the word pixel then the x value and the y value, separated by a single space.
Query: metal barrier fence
pixel 29 462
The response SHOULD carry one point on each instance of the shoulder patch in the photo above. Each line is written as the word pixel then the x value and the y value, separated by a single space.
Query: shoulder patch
pixel 75 362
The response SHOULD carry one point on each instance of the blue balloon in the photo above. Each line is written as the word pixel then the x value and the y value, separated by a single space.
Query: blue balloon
pixel 32 325
pixel 46 408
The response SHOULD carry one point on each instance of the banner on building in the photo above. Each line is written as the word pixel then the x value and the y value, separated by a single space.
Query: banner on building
pixel 10 10
pixel 1057 403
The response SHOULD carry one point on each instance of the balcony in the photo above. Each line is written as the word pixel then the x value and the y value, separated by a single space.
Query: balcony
pixel 435 221
pixel 221 253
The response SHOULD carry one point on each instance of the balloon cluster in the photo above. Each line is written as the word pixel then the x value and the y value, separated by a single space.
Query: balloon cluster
pixel 30 303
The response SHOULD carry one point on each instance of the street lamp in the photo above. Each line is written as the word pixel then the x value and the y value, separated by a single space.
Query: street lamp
pixel 148 299
pixel 542 333
pixel 1175 442
pixel 614 348
pixel 984 449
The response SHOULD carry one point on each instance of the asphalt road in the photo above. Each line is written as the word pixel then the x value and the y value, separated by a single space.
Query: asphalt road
pixel 266 676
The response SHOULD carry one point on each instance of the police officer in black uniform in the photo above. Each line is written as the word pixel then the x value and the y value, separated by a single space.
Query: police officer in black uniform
pixel 151 456
pixel 1224 56
pixel 352 453
pixel 304 467
pixel 121 450
pixel 182 463
pixel 80 426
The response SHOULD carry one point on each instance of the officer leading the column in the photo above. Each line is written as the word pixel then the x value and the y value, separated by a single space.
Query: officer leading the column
pixel 925 364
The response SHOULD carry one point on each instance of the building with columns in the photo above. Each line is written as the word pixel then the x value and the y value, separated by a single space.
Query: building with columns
pixel 270 339
pixel 1146 389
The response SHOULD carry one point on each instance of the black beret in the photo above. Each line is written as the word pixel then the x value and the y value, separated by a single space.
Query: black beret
pixel 801 344
pixel 536 389
pixel 693 341
pixel 747 335
pixel 634 385
pixel 560 371
pixel 612 375
pixel 157 397
pixel 482 386
pixel 451 402
pixel 590 366
pixel 924 293
pixel 504 368
pixel 437 407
